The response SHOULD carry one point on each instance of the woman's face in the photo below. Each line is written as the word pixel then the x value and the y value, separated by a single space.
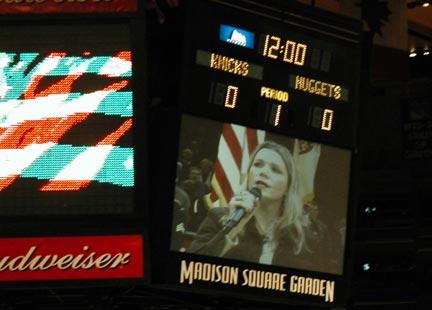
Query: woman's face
pixel 269 173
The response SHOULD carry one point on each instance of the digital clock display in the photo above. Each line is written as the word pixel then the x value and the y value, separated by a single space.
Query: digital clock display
pixel 279 74
pixel 296 53
pixel 288 51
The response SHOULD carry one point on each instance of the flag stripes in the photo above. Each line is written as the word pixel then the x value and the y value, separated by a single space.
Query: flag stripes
pixel 235 147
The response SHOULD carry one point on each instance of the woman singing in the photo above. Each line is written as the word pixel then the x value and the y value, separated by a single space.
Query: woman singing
pixel 274 228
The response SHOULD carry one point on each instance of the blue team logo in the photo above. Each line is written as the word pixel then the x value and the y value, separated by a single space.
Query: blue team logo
pixel 236 36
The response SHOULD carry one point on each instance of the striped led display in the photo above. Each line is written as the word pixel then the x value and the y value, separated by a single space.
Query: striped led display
pixel 66 123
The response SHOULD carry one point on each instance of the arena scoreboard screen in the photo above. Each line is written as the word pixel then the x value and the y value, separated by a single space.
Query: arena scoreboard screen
pixel 258 73
pixel 272 69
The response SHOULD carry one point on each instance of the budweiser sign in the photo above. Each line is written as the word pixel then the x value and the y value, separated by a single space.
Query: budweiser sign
pixel 63 258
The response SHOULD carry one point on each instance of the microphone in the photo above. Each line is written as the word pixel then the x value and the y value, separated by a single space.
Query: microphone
pixel 240 212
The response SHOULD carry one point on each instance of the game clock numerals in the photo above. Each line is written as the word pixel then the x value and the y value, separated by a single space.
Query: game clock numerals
pixel 289 51
pixel 296 53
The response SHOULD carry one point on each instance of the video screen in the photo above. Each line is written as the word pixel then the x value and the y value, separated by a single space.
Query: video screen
pixel 255 196
pixel 66 110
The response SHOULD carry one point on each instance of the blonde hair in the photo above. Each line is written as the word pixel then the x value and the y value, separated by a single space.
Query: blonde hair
pixel 293 218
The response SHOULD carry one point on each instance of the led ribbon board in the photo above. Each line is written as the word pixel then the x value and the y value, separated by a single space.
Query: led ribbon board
pixel 66 118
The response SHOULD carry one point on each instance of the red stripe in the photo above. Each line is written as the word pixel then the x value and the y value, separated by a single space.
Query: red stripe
pixel 65 185
pixel 223 180
pixel 252 139
pixel 233 144
pixel 39 131
pixel 57 54
pixel 112 138
pixel 125 55
pixel 64 86
pixel 116 86
pixel 6 182
pixel 213 196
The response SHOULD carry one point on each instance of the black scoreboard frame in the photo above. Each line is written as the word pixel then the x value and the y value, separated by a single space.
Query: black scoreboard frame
pixel 202 43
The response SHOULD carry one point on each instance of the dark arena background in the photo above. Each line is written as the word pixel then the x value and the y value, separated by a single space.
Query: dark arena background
pixel 126 127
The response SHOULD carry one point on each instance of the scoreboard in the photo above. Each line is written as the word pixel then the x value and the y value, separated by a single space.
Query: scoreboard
pixel 272 68
pixel 254 73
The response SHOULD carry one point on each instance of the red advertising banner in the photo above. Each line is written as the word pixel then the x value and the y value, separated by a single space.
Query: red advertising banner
pixel 68 258
pixel 66 6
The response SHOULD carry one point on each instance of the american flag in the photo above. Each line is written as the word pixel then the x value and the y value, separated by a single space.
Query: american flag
pixel 235 147
pixel 65 119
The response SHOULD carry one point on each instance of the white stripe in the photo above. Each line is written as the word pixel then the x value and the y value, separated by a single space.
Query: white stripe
pixel 86 165
pixel 55 105
pixel 14 161
pixel 239 132
pixel 47 65
pixel 245 154
pixel 261 136
pixel 115 67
